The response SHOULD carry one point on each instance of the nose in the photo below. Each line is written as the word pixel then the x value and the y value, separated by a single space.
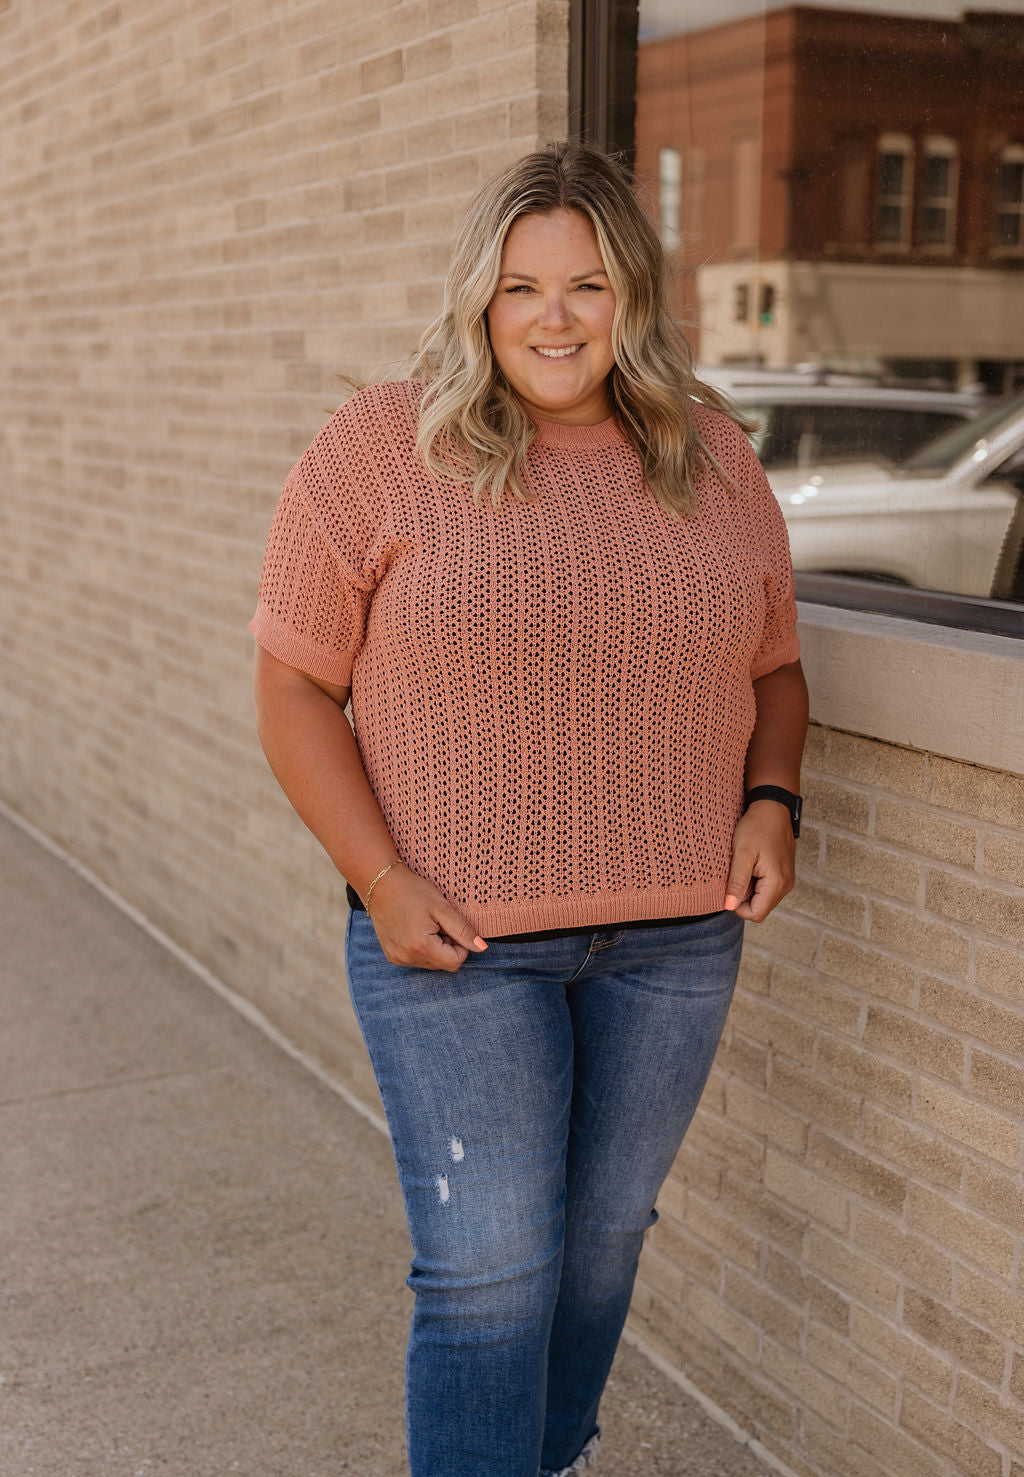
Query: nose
pixel 555 311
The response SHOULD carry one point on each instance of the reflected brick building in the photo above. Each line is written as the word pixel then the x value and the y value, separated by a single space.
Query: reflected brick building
pixel 844 186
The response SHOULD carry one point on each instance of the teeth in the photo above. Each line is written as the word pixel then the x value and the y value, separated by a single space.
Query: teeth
pixel 558 353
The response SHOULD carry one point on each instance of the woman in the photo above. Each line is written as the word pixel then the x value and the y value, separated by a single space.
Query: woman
pixel 551 573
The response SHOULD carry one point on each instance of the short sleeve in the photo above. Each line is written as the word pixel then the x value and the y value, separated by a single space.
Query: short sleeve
pixel 331 535
pixel 779 643
pixel 764 536
pixel 312 605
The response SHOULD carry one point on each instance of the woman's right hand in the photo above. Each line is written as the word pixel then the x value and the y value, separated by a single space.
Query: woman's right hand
pixel 313 752
pixel 417 926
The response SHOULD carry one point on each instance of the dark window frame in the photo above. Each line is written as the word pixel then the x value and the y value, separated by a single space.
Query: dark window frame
pixel 603 37
pixel 602 73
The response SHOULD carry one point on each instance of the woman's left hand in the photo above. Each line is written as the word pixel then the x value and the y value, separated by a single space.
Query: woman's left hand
pixel 763 867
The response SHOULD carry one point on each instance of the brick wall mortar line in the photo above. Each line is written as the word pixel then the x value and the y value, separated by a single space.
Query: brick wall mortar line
pixel 879 1156
pixel 102 134
pixel 835 884
pixel 921 915
pixel 972 1044
pixel 707 1404
pixel 831 729
pixel 81 60
pixel 136 196
pixel 687 1229
pixel 989 884
pixel 133 186
pixel 887 845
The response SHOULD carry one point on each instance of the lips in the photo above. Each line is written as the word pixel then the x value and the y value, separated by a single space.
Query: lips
pixel 563 353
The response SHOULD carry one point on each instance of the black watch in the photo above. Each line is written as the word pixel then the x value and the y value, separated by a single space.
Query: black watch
pixel 793 803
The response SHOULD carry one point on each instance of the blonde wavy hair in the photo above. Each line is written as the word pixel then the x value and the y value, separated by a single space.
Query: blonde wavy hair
pixel 472 426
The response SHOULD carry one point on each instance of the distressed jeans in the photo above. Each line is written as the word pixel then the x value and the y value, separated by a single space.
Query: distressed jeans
pixel 536 1100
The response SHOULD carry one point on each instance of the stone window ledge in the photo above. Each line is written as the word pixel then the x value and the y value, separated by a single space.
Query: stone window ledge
pixel 955 693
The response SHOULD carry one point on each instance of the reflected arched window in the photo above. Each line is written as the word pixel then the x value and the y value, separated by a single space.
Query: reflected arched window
pixel 895 176
pixel 746 195
pixel 938 192
pixel 670 189
pixel 1010 197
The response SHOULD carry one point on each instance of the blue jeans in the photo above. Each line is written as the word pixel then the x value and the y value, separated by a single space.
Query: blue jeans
pixel 536 1100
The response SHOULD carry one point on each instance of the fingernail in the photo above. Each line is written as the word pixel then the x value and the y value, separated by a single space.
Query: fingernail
pixel 479 942
pixel 731 902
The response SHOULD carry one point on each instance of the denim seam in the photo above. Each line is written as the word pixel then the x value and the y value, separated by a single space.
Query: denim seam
pixel 596 946
pixel 576 974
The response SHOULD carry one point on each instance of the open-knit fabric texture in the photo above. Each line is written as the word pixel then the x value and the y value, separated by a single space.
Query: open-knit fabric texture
pixel 552 700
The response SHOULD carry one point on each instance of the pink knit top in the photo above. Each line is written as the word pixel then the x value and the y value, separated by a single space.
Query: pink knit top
pixel 552 701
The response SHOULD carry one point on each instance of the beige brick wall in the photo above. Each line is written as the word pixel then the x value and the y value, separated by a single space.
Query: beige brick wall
pixel 837 1258
pixel 209 212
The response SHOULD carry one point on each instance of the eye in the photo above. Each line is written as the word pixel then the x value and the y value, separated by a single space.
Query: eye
pixel 592 287
pixel 520 287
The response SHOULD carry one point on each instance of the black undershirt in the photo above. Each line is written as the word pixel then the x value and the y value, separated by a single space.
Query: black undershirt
pixel 355 902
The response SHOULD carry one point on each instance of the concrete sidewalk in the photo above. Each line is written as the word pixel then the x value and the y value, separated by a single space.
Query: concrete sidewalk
pixel 203 1246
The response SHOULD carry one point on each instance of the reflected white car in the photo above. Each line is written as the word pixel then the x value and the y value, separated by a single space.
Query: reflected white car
pixel 950 518
pixel 808 423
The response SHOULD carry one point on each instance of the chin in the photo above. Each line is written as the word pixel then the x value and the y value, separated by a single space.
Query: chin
pixel 559 399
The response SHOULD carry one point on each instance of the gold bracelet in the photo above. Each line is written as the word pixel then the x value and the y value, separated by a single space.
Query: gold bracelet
pixel 373 884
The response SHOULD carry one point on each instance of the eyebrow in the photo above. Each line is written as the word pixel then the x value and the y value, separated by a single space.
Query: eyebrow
pixel 579 277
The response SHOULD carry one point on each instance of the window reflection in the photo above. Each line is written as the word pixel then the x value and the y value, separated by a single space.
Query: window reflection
pixel 1010 197
pixel 938 192
pixel 895 174
pixel 841 191
pixel 670 179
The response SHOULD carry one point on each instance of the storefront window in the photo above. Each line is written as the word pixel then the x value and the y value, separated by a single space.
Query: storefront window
pixel 845 221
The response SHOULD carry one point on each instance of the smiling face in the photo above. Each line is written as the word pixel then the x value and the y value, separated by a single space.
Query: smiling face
pixel 550 319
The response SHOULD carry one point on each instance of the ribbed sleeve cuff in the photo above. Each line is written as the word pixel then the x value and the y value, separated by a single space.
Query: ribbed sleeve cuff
pixel 786 649
pixel 300 651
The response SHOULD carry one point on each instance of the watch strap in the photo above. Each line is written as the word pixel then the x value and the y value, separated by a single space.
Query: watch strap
pixel 793 803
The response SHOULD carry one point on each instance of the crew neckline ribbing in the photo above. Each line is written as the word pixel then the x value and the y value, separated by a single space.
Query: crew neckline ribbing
pixel 579 438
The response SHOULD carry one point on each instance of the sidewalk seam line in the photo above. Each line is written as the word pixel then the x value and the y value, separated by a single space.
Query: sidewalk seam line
pixel 700 1397
pixel 59 1094
pixel 238 1002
